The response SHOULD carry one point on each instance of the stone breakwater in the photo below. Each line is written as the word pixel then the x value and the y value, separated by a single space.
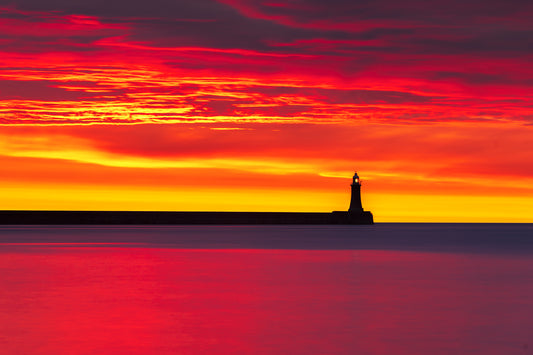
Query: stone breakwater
pixel 169 218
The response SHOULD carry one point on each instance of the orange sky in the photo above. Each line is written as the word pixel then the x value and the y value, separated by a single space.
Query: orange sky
pixel 268 107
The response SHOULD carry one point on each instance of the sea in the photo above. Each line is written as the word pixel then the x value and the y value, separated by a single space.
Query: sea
pixel 386 288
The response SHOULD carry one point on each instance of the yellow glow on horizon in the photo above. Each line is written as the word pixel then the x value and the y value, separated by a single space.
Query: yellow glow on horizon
pixel 450 208
pixel 385 207
pixel 19 197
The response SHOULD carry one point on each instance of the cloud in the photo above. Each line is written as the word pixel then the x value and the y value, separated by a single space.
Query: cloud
pixel 50 91
pixel 78 62
pixel 338 13
pixel 453 153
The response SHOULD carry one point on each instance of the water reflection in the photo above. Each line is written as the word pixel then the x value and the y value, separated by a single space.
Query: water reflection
pixel 139 300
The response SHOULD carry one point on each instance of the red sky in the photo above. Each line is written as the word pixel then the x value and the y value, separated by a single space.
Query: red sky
pixel 269 105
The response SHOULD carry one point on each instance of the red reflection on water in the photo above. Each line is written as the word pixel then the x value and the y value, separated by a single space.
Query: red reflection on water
pixel 133 300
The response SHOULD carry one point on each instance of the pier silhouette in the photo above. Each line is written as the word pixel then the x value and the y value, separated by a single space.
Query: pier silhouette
pixel 354 215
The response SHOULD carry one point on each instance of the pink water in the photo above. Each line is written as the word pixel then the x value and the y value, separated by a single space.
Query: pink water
pixel 146 299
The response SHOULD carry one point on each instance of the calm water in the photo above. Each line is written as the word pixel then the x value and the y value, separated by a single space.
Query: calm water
pixel 382 289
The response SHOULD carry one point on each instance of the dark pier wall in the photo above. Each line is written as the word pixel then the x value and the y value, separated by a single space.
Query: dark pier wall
pixel 154 217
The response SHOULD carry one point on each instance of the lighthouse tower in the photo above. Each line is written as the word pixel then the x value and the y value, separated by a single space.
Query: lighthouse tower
pixel 355 202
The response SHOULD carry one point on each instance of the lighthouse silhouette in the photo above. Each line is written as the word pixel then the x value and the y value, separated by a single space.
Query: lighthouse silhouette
pixel 355 202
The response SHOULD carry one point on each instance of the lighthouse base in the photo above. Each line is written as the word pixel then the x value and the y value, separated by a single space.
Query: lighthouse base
pixel 342 217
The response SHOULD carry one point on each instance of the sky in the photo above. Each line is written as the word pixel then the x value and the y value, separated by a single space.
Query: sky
pixel 269 105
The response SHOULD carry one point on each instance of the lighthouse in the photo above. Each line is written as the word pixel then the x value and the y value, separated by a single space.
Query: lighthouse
pixel 355 202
